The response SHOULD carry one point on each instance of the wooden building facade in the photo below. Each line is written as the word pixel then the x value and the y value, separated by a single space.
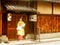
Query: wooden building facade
pixel 48 20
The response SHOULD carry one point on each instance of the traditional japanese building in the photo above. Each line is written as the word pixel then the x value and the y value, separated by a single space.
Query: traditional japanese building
pixel 42 18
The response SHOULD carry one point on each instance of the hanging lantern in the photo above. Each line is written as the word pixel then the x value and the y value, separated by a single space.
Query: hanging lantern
pixel 9 17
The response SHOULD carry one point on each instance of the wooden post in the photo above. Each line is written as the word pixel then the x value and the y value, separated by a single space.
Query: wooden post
pixel 39 33
pixel 34 31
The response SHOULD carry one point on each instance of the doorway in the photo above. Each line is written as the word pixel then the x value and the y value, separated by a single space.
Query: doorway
pixel 12 25
pixel 9 27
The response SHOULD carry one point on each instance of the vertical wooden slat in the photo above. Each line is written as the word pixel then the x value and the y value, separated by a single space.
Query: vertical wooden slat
pixel 0 19
pixel 0 23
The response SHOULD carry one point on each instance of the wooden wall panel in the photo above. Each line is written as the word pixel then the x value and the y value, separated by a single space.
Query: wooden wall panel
pixel 56 8
pixel 58 23
pixel 55 24
pixel 44 7
pixel 0 23
pixel 44 23
pixel 30 27
pixel 48 24
pixel 11 28
pixel 11 33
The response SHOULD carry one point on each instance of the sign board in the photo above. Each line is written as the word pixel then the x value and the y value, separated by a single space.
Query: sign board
pixel 33 18
pixel 9 17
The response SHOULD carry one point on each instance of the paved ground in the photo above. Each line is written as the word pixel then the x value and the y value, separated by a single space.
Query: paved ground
pixel 32 42
pixel 38 43
pixel 47 43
